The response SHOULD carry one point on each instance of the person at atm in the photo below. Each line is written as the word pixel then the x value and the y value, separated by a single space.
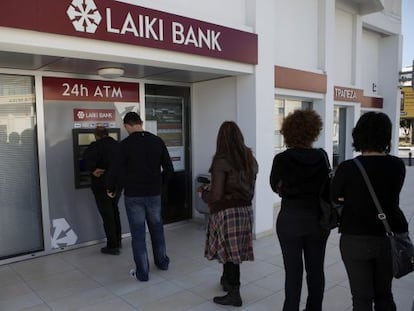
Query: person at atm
pixel 147 167
pixel 102 161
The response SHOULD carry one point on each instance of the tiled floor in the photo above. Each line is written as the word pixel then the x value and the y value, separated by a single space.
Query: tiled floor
pixel 84 279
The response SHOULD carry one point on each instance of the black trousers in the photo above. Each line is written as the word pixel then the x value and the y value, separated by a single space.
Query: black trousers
pixel 368 264
pixel 303 242
pixel 108 208
pixel 231 272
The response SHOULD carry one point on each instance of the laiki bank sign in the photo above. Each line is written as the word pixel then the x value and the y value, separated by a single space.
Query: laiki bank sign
pixel 115 21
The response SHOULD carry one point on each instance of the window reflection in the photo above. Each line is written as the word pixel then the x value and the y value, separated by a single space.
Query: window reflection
pixel 20 212
pixel 282 107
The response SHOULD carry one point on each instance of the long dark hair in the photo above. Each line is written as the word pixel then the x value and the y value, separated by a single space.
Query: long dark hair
pixel 230 143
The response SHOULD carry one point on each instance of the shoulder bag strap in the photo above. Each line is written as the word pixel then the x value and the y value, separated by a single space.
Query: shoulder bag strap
pixel 328 165
pixel 381 214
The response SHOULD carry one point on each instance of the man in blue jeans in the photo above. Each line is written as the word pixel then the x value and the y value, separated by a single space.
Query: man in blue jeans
pixel 147 167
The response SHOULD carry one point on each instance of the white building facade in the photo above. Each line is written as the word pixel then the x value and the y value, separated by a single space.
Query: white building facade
pixel 185 68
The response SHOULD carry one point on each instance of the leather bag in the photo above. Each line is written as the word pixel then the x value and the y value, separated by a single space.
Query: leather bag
pixel 330 212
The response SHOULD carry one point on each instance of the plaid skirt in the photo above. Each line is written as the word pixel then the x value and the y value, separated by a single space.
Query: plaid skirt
pixel 229 235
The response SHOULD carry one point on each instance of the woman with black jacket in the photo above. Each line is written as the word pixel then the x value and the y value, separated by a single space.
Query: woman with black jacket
pixel 297 176
pixel 365 249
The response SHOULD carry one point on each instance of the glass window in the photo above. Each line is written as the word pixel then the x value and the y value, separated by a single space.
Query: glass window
pixel 164 117
pixel 20 209
pixel 282 107
pixel 339 135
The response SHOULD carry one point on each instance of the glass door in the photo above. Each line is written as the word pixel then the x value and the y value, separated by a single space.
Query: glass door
pixel 20 210
pixel 339 135
pixel 166 111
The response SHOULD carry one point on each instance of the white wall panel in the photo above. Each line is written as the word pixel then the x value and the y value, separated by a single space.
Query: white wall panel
pixel 214 11
pixel 387 21
pixel 370 62
pixel 212 103
pixel 343 47
pixel 296 29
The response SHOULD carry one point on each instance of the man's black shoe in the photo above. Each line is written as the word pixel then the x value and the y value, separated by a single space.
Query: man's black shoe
pixel 231 299
pixel 110 251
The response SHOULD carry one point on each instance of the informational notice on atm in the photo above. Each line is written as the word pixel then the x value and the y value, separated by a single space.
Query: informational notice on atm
pixel 176 152
pixel 177 157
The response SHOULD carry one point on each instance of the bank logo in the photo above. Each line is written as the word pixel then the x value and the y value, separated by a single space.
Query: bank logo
pixel 84 15
pixel 63 235
pixel 80 114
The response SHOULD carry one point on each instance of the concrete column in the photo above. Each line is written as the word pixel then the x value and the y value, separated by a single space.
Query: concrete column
pixel 391 51
pixel 255 101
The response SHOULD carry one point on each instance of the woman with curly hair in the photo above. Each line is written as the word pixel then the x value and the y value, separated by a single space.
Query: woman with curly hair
pixel 229 198
pixel 297 176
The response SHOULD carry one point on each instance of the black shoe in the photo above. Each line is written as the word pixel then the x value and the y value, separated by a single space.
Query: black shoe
pixel 231 299
pixel 110 251
pixel 133 274
pixel 164 264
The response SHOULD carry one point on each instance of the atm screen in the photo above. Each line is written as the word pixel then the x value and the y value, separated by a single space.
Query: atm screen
pixel 82 138
pixel 85 139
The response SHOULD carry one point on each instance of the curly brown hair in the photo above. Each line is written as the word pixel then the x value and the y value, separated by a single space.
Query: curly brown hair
pixel 301 128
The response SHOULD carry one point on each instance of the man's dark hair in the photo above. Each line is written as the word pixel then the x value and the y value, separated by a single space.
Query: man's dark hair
pixel 101 132
pixel 372 132
pixel 132 118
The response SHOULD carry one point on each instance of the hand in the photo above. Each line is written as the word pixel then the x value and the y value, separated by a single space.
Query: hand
pixel 111 194
pixel 202 188
pixel 98 172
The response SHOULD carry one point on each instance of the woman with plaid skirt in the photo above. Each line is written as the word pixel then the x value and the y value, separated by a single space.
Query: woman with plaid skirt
pixel 229 197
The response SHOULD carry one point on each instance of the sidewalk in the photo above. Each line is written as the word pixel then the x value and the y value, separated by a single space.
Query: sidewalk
pixel 84 279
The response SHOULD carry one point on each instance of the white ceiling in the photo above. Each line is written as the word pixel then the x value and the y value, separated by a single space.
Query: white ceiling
pixel 90 67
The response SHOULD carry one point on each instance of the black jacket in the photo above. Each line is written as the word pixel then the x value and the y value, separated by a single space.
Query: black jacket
pixel 146 164
pixel 298 173
pixel 104 154
pixel 359 214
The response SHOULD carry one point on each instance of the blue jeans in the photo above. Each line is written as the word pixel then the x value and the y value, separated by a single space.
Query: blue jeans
pixel 139 210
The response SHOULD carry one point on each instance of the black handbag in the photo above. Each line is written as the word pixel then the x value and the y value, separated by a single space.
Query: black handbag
pixel 401 246
pixel 330 213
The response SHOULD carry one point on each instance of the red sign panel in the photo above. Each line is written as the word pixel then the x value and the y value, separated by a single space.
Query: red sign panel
pixel 89 90
pixel 348 94
pixel 125 23
pixel 102 115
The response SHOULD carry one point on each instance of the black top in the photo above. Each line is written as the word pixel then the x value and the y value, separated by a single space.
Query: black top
pixel 143 156
pixel 105 154
pixel 359 215
pixel 298 174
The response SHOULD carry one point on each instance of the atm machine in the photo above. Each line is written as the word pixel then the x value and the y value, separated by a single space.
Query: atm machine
pixel 82 138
